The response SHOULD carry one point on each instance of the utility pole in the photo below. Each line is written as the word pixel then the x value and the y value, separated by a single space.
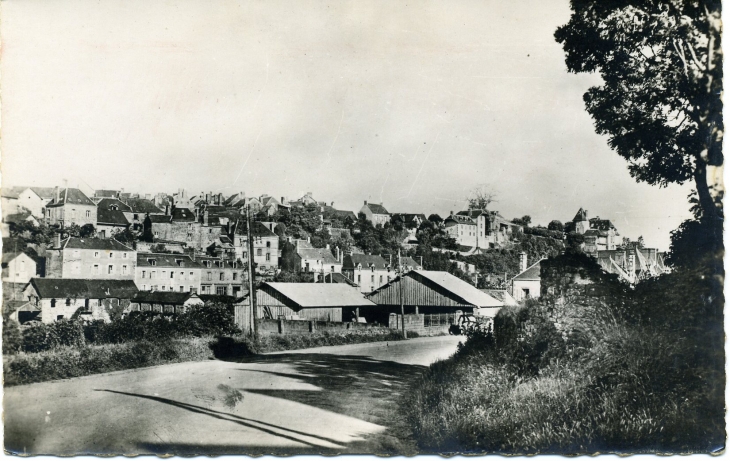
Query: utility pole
pixel 251 293
pixel 400 293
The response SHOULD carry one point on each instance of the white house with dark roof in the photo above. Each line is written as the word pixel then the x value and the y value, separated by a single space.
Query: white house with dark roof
pixel 319 260
pixel 35 199
pixel 70 206
pixel 90 258
pixel 367 271
pixel 58 299
pixel 526 284
pixel 19 267
pixel 375 213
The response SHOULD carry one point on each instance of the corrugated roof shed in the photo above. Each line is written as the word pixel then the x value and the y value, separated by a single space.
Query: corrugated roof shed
pixel 317 295
pixel 460 288
pixel 163 297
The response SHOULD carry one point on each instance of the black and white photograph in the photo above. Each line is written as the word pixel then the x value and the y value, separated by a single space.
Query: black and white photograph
pixel 362 227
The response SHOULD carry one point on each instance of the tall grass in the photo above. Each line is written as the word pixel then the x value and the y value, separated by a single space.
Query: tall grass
pixel 600 384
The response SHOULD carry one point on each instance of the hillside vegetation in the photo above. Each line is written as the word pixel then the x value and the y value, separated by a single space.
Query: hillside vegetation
pixel 619 370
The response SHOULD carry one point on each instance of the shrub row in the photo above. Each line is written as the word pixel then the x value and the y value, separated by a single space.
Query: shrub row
pixel 198 321
pixel 71 362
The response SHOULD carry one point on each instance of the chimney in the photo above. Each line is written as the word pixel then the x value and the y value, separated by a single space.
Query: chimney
pixel 58 195
pixel 283 199
pixel 366 202
pixel 523 261
pixel 332 204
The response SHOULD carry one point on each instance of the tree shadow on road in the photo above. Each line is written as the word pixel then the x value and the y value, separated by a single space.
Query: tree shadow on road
pixel 355 386
pixel 319 445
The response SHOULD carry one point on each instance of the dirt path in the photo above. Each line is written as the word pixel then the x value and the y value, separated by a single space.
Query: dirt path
pixel 324 400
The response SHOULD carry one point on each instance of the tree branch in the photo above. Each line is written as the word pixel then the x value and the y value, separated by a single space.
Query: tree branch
pixel 681 56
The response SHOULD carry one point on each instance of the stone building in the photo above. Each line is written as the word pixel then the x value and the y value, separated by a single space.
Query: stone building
pixel 70 206
pixel 167 272
pixel 90 258
pixel 220 277
pixel 367 271
pixel 375 213
pixel 58 299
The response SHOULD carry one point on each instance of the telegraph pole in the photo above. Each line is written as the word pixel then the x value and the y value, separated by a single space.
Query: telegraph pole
pixel 400 293
pixel 251 293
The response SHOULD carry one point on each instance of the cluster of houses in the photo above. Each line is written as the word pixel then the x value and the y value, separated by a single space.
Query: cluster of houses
pixel 199 248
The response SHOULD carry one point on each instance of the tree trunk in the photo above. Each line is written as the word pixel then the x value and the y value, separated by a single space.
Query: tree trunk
pixel 706 200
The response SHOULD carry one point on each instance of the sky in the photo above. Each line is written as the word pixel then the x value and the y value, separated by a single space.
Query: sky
pixel 410 103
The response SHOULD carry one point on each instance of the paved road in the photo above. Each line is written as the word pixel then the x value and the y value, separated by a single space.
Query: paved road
pixel 324 400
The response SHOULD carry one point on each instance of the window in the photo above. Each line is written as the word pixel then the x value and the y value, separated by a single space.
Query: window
pixel 372 279
pixel 268 256
pixel 268 244
pixel 136 217
pixel 210 276
pixel 96 254
pixel 359 278
pixel 96 269
pixel 182 275
pixel 88 213
pixel 110 269
pixel 164 288
pixel 525 292
pixel 153 262
pixel 372 268
pixel 153 274
pixel 191 276
pixel 124 269
pixel 222 276
pixel 235 276
pixel 68 301
pixel 179 262
pixel 381 279
pixel 389 279
pixel 164 274
pixel 124 255
pixel 144 287
pixel 59 317
pixel 182 288
pixel 53 303
pixel 111 255
pixel 143 273
pixel 258 252
pixel 172 274
pixel 157 234
pixel 332 268
pixel 193 290
pixel 220 290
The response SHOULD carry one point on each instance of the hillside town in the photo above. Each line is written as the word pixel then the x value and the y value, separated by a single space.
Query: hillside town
pixel 68 254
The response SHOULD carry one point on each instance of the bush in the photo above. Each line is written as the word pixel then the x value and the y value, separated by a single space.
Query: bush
pixel 64 333
pixel 12 338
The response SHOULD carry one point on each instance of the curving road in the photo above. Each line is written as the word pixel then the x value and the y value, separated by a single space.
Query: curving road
pixel 325 400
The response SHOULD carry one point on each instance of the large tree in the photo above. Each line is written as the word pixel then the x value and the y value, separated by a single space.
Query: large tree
pixel 659 104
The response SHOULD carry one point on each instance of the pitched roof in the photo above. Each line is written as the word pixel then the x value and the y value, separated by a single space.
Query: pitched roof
pixel 473 213
pixel 164 297
pixel 106 193
pixel 336 277
pixel 84 288
pixel 166 260
pixel 9 256
pixel 601 224
pixel 160 218
pixel 322 254
pixel 312 295
pixel 258 229
pixel 94 244
pixel 12 192
pixel 461 219
pixel 531 273
pixel 409 218
pixel 409 262
pixel 110 203
pixel 468 293
pixel 501 295
pixel 20 217
pixel 142 205
pixel 581 215
pixel 182 214
pixel 70 196
pixel 366 261
pixel 115 217
pixel 377 208
pixel 45 193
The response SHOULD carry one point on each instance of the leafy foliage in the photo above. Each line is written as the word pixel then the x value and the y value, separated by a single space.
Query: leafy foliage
pixel 660 102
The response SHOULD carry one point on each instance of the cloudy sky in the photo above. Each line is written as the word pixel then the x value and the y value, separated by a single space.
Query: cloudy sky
pixel 412 103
